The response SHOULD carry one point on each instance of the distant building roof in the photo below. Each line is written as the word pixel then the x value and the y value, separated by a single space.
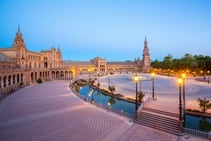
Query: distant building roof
pixel 97 58
pixel 77 62
pixel 121 63
pixel 4 58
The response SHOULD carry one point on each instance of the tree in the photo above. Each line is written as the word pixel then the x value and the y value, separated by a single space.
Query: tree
pixel 167 62
pixel 204 104
pixel 140 96
pixel 189 62
pixel 111 89
pixel 157 64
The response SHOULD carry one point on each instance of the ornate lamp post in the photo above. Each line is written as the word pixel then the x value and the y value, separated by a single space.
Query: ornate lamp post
pixel 184 106
pixel 136 80
pixel 109 80
pixel 98 79
pixel 153 86
pixel 180 102
pixel 208 75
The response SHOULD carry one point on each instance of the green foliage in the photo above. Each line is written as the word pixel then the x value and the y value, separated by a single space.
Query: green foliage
pixel 39 80
pixel 140 96
pixel 21 84
pixel 188 61
pixel 204 104
pixel 112 89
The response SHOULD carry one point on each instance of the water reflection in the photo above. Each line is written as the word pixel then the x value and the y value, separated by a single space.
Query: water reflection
pixel 113 103
pixel 198 123
pixel 204 124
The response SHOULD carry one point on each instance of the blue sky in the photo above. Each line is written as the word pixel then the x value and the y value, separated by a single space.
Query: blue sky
pixel 111 29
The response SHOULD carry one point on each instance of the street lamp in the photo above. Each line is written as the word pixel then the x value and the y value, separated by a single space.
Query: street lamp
pixel 136 80
pixel 153 85
pixel 108 80
pixel 98 79
pixel 180 102
pixel 208 73
pixel 184 106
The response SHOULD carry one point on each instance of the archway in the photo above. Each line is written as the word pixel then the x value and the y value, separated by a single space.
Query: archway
pixel 5 81
pixel 13 79
pixel 9 80
pixel 32 77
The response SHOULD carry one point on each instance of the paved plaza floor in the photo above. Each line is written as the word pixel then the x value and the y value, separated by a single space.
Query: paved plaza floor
pixel 51 112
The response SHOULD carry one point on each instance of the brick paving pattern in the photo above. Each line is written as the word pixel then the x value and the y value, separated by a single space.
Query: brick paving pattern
pixel 50 112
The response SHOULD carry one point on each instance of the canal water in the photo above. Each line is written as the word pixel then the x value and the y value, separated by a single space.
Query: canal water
pixel 117 105
pixel 128 108
pixel 198 123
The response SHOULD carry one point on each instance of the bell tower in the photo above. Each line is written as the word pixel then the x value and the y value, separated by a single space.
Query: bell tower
pixel 20 49
pixel 18 41
pixel 146 64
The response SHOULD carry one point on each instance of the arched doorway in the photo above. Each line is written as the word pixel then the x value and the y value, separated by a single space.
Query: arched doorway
pixel 32 77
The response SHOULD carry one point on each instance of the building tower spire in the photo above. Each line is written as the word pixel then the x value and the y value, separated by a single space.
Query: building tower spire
pixel 19 31
pixel 146 64
pixel 18 41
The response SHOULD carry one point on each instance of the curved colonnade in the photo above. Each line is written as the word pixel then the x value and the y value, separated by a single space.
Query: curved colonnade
pixel 13 79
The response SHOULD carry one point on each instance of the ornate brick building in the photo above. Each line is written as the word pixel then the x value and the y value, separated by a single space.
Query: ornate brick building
pixel 19 66
pixel 99 65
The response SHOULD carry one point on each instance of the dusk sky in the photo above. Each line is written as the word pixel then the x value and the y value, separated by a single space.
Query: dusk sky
pixel 111 29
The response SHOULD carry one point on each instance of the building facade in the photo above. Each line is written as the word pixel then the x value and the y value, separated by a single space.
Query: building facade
pixel 20 66
pixel 99 65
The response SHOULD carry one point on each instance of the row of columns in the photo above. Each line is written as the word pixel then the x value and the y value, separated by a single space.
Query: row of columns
pixel 13 80
pixel 10 79
pixel 44 75
pixel 65 75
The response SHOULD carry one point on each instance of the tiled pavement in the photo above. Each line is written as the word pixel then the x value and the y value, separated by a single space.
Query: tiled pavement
pixel 50 112
pixel 143 133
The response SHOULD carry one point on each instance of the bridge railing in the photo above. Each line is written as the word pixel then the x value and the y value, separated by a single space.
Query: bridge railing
pixel 196 132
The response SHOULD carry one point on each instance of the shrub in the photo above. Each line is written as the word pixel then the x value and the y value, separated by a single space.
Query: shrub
pixel 112 89
pixel 39 80
pixel 204 104
pixel 21 84
pixel 140 96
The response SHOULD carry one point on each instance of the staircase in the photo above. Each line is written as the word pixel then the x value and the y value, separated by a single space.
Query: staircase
pixel 161 120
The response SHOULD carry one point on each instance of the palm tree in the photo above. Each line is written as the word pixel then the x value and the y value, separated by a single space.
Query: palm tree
pixel 204 104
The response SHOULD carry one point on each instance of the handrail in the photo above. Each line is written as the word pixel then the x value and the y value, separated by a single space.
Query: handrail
pixel 196 132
